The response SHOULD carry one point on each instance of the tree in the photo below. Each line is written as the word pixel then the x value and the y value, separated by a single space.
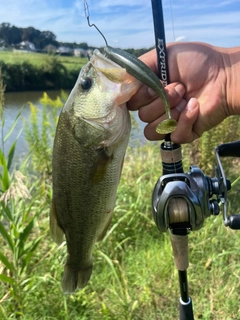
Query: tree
pixel 5 32
pixel 30 34
pixel 46 38
pixel 83 46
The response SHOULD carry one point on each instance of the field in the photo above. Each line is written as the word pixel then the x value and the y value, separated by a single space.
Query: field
pixel 37 59
pixel 36 71
pixel 134 277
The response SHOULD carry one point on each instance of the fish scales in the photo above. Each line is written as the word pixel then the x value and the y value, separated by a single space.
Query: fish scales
pixel 84 202
pixel 89 148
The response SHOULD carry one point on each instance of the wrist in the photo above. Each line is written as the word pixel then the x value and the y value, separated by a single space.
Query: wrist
pixel 231 60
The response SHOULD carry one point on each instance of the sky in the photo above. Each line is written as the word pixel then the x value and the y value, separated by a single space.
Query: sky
pixel 128 23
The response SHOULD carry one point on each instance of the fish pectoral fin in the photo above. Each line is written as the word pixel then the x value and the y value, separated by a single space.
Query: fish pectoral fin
pixel 103 233
pixel 56 232
pixel 89 132
pixel 104 157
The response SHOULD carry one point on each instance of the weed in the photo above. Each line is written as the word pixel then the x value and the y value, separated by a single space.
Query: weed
pixel 133 276
pixel 17 219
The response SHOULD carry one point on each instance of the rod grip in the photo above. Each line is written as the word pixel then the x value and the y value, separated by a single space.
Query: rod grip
pixel 180 251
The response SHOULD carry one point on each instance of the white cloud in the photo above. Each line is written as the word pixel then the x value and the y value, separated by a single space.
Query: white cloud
pixel 128 23
pixel 124 3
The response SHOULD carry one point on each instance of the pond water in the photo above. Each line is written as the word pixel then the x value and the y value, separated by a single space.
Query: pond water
pixel 13 103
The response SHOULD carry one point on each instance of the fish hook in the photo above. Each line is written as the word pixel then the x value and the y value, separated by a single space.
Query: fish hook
pixel 87 14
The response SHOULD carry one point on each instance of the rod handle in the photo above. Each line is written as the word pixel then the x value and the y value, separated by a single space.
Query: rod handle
pixel 180 251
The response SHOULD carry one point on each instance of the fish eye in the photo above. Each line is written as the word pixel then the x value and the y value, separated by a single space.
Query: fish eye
pixel 86 83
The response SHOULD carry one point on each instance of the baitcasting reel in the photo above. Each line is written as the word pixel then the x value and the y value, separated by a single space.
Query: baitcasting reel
pixel 181 201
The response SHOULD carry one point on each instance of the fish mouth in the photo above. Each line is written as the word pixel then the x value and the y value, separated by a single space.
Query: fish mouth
pixel 98 56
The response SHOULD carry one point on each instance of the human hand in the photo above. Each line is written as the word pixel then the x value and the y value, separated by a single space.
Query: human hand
pixel 197 91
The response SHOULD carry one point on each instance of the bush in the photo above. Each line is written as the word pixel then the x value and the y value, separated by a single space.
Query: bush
pixel 51 74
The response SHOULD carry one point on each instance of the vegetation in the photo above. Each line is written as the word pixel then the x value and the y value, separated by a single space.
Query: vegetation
pixel 38 59
pixel 42 69
pixel 134 277
pixel 35 71
pixel 11 36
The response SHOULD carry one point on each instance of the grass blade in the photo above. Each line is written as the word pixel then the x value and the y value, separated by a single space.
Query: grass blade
pixel 12 126
pixel 5 175
pixel 6 236
pixel 6 211
pixel 7 263
pixel 11 155
pixel 24 235
pixel 7 279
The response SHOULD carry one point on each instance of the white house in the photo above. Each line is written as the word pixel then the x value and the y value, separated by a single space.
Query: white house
pixel 64 50
pixel 27 45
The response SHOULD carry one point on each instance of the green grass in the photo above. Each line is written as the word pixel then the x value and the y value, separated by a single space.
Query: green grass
pixel 37 59
pixel 134 277
pixel 35 71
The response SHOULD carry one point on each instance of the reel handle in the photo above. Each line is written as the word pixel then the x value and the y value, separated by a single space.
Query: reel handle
pixel 233 221
pixel 231 149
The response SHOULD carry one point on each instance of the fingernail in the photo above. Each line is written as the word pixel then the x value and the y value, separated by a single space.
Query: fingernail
pixel 151 92
pixel 180 89
pixel 192 104
pixel 181 106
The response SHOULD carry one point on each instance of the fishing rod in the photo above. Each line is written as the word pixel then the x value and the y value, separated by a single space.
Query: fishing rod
pixel 182 201
pixel 172 164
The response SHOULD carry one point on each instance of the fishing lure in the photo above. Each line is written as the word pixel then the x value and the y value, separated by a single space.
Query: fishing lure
pixel 140 71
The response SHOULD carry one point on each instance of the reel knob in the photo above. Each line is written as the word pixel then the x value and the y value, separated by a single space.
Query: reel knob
pixel 233 221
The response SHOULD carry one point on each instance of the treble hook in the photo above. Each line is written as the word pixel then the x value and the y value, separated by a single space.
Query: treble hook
pixel 87 14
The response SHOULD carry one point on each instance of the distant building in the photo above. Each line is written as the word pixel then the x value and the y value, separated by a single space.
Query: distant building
pixel 26 45
pixel 50 48
pixel 65 51
pixel 80 52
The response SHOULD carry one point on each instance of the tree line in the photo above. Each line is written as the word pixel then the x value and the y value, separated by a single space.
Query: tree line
pixel 11 36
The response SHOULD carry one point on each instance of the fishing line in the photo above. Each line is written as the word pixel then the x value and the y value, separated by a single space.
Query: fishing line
pixel 87 14
pixel 173 29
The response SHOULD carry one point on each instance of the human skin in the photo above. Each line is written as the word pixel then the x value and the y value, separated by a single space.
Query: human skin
pixel 203 90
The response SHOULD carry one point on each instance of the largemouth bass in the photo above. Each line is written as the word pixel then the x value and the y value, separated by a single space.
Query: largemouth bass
pixel 90 143
pixel 88 153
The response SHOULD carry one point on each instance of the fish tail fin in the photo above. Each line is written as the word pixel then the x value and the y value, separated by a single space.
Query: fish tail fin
pixel 56 232
pixel 73 279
